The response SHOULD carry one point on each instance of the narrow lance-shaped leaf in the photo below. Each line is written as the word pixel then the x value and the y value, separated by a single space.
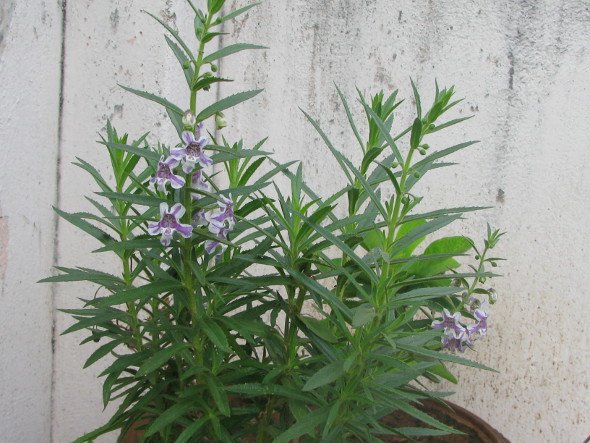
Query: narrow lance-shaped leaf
pixel 161 101
pixel 183 60
pixel 324 376
pixel 235 13
pixel 227 102
pixel 229 50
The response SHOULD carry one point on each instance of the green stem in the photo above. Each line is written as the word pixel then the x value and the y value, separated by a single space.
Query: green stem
pixel 125 259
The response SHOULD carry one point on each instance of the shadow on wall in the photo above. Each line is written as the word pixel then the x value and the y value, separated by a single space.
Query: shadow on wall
pixel 6 10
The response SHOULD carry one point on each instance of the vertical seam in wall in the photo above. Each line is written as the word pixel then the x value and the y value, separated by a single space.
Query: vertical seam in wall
pixel 216 132
pixel 57 201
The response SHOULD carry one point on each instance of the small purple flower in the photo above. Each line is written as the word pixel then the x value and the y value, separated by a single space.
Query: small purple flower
pixel 169 223
pixel 198 182
pixel 449 323
pixel 481 326
pixel 223 215
pixel 453 342
pixel 213 245
pixel 199 218
pixel 193 151
pixel 455 335
pixel 164 175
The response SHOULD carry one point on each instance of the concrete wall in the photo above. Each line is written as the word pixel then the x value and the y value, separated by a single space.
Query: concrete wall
pixel 30 42
pixel 522 65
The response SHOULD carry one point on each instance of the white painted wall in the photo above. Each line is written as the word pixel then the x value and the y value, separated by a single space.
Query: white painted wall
pixel 523 67
pixel 30 40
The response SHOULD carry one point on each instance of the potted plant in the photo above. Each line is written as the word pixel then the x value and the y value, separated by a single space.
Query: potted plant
pixel 255 313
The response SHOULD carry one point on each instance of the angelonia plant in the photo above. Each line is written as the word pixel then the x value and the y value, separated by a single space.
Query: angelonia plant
pixel 254 313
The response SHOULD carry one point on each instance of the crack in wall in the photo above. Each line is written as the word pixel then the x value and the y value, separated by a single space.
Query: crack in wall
pixel 57 201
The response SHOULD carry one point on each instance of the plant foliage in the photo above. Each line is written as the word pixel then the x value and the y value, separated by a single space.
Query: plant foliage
pixel 291 316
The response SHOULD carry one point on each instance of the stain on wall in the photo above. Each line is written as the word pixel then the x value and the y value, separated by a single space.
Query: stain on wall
pixel 6 10
pixel 4 234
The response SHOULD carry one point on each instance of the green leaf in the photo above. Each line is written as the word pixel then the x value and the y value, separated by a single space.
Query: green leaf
pixel 131 245
pixel 101 352
pixel 350 119
pixel 183 59
pixel 321 328
pixel 159 359
pixel 142 152
pixel 371 155
pixel 449 123
pixel 191 430
pixel 235 13
pixel 443 153
pixel 306 425
pixel 82 224
pixel 363 314
pixel 168 417
pixel 83 274
pixel 161 101
pixel 220 398
pixel 139 293
pixel 231 49
pixel 215 334
pixel 257 390
pixel 444 357
pixel 422 416
pixel 423 294
pixel 227 102
pixel 416 99
pixel 449 245
pixel 385 132
pixel 138 199
pixel 420 232
pixel 443 372
pixel 174 34
pixel 324 376
pixel 104 318
pixel 416 133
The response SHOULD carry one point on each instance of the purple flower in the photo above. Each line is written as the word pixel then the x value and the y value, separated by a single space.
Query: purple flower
pixel 453 342
pixel 213 245
pixel 164 175
pixel 223 215
pixel 199 218
pixel 169 223
pixel 449 323
pixel 198 182
pixel 455 335
pixel 481 326
pixel 193 151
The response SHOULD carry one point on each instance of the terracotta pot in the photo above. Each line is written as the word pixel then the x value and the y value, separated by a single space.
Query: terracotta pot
pixel 476 430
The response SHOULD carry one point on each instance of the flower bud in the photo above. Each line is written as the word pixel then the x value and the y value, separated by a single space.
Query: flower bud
pixel 189 120
pixel 394 164
pixel 214 68
pixel 493 296
pixel 422 151
pixel 417 174
pixel 220 122
pixel 425 146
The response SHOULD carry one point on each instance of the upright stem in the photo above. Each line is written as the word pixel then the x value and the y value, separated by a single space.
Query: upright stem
pixel 187 247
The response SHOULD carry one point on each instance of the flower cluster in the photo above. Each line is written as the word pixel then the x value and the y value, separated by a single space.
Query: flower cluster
pixel 455 334
pixel 220 220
